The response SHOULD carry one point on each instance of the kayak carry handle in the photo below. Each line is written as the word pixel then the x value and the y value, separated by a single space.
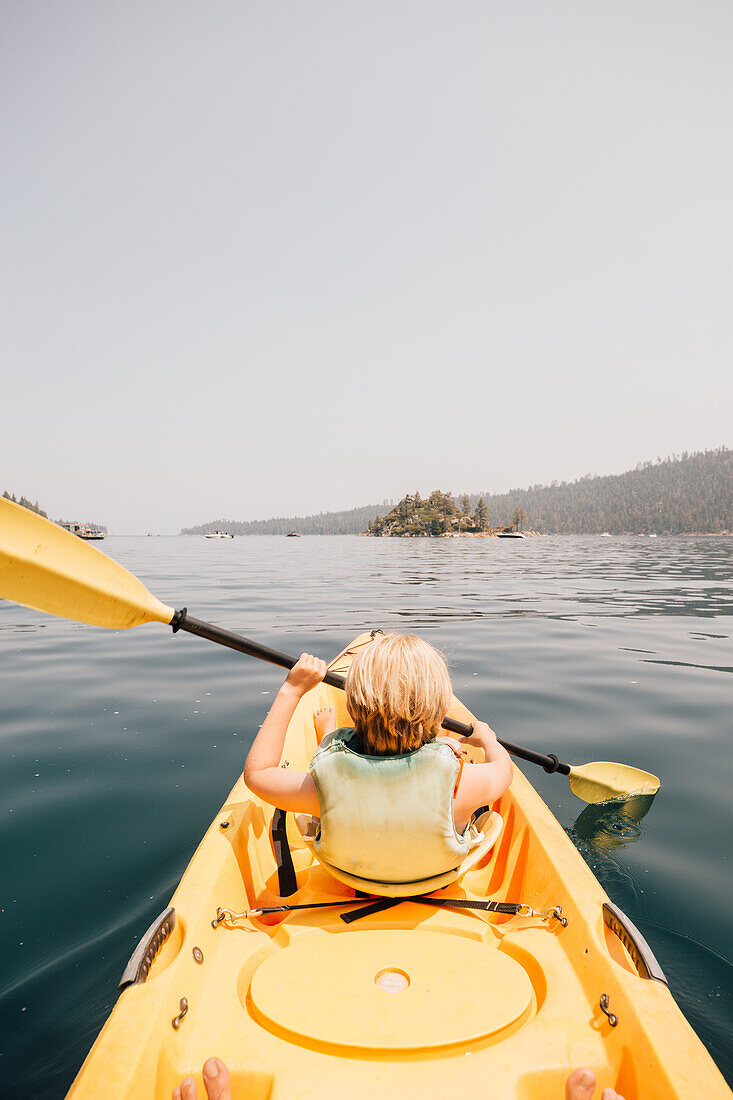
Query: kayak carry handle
pixel 150 944
pixel 639 950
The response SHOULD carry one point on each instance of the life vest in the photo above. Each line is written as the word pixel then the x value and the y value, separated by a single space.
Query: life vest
pixel 387 818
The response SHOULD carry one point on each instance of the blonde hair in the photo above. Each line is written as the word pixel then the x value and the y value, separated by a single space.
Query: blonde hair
pixel 398 692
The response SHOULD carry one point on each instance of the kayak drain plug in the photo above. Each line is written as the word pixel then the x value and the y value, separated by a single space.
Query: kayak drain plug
pixel 392 981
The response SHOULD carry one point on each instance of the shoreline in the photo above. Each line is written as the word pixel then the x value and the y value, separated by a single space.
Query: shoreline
pixel 469 535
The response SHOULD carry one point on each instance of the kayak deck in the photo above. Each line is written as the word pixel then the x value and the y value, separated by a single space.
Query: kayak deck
pixel 409 1000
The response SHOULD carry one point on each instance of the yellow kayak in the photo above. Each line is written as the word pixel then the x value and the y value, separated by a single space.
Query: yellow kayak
pixel 412 998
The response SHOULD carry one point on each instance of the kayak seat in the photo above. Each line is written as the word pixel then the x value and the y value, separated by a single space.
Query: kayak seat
pixel 486 831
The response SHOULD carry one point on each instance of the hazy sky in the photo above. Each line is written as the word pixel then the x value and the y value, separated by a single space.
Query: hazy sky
pixel 275 258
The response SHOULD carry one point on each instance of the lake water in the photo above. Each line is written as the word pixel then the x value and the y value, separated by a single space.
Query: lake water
pixel 117 748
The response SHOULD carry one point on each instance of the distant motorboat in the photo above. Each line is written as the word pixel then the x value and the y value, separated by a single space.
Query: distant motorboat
pixel 605 534
pixel 87 531
pixel 218 535
pixel 653 535
pixel 293 535
pixel 509 535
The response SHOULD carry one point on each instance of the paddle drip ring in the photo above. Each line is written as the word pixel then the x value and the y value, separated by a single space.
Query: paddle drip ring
pixel 178 620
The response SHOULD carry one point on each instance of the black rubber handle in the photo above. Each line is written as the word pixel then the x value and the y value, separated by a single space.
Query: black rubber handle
pixel 183 621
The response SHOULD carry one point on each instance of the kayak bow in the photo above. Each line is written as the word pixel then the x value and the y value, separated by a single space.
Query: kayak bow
pixel 409 999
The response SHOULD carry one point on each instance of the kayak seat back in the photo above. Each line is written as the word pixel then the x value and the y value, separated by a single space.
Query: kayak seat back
pixel 491 826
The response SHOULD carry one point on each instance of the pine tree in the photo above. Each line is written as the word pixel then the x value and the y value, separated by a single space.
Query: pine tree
pixel 481 515
pixel 519 519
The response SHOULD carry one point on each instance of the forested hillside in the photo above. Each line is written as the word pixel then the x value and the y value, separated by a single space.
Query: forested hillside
pixel 678 495
pixel 682 494
pixel 351 522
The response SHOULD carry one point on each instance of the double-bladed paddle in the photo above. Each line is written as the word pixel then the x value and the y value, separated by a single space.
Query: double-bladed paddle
pixel 46 567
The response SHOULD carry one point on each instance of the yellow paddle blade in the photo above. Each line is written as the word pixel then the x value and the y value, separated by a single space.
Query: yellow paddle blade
pixel 603 780
pixel 45 567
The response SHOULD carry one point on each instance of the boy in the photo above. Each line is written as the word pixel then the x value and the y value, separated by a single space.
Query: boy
pixel 394 798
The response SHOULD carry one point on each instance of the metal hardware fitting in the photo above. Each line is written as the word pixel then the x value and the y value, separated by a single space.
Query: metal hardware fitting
pixel 176 1021
pixel 604 1007
pixel 553 912
pixel 198 955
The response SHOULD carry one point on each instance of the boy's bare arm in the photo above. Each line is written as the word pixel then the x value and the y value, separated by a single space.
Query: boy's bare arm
pixel 483 783
pixel 262 772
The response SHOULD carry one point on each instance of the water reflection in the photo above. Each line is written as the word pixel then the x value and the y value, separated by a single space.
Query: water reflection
pixel 610 826
pixel 689 664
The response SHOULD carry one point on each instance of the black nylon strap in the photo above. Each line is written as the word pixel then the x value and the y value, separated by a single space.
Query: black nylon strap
pixel 373 907
pixel 510 908
pixel 306 905
pixel 287 883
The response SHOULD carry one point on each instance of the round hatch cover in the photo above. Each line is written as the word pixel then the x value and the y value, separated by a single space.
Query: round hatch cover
pixel 389 990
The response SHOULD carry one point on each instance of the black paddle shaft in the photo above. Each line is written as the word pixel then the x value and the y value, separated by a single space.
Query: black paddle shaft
pixel 183 621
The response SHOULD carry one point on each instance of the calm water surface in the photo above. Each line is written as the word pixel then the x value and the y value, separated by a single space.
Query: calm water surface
pixel 117 748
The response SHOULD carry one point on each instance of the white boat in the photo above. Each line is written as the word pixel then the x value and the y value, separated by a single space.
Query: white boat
pixel 88 531
pixel 605 534
pixel 509 535
pixel 218 535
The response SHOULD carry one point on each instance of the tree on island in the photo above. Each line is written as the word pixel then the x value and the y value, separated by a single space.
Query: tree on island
pixel 519 519
pixel 481 515
pixel 435 523
pixel 414 517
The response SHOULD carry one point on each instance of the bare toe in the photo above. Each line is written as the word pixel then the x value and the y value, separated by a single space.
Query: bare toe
pixel 611 1094
pixel 580 1085
pixel 188 1089
pixel 216 1080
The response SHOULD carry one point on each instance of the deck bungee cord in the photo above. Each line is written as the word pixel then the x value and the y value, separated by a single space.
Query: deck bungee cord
pixel 230 919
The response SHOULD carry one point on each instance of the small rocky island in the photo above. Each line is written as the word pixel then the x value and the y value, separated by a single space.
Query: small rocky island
pixel 439 516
